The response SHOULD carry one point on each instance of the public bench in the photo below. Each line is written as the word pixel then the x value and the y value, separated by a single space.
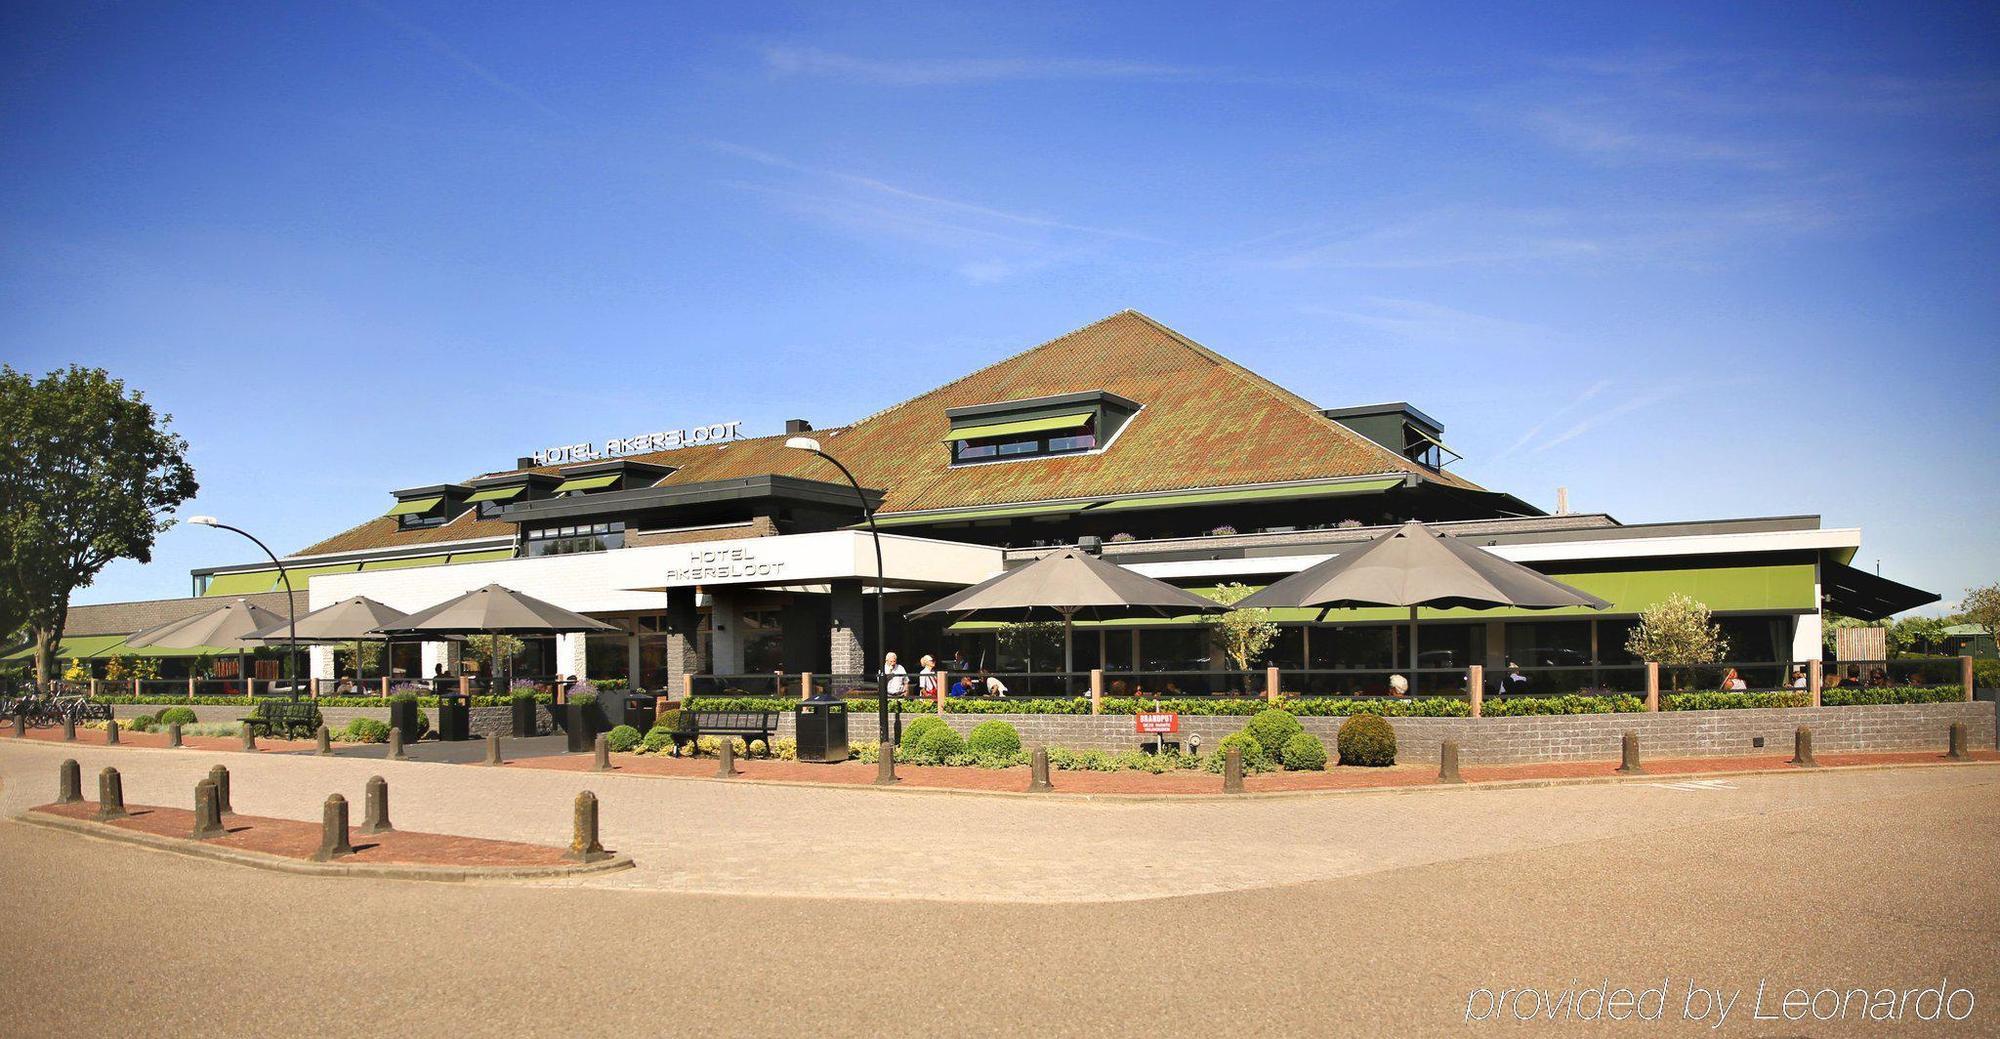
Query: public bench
pixel 750 725
pixel 278 718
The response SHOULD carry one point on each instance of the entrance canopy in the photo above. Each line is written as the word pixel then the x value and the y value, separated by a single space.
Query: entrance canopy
pixel 1858 593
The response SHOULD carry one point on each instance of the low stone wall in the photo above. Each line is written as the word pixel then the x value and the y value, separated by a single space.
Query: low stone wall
pixel 483 720
pixel 1576 737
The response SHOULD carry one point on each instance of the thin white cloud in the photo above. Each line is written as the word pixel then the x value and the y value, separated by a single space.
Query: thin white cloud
pixel 797 61
pixel 1589 393
pixel 438 45
pixel 1422 321
pixel 1624 407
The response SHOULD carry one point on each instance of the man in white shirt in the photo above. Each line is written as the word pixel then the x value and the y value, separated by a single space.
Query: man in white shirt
pixel 895 680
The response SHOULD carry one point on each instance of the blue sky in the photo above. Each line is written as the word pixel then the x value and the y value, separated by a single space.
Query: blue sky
pixel 1718 260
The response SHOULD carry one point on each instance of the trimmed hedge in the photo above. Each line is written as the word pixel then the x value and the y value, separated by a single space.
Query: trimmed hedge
pixel 1366 740
pixel 1860 697
pixel 365 730
pixel 1255 757
pixel 1273 728
pixel 994 738
pixel 324 701
pixel 622 738
pixel 658 739
pixel 178 716
pixel 1303 753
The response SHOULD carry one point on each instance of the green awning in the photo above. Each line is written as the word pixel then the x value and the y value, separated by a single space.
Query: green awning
pixel 484 556
pixel 406 561
pixel 415 506
pixel 1319 490
pixel 497 493
pixel 1026 425
pixel 586 483
pixel 87 647
pixel 967 515
pixel 247 583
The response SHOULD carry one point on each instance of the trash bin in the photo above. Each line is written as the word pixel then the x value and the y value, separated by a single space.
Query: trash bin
pixel 820 726
pixel 454 717
pixel 634 709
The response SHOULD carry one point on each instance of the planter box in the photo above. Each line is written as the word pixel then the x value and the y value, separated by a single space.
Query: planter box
pixel 408 717
pixel 526 716
pixel 581 724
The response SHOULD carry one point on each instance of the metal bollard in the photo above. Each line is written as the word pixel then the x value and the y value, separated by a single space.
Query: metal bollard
pixel 249 739
pixel 396 744
pixel 1232 771
pixel 1038 772
pixel 207 812
pixel 220 777
pixel 69 728
pixel 333 841
pixel 375 807
pixel 110 794
pixel 20 725
pixel 111 733
pixel 174 734
pixel 1448 763
pixel 600 753
pixel 492 749
pixel 1956 743
pixel 325 739
pixel 725 759
pixel 885 764
pixel 1802 754
pixel 1629 755
pixel 583 843
pixel 69 783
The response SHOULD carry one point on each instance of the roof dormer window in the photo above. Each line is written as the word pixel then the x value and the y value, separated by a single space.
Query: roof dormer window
pixel 1071 423
pixel 434 506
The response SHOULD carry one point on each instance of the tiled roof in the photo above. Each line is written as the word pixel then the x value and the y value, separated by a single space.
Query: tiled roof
pixel 1205 421
pixel 124 618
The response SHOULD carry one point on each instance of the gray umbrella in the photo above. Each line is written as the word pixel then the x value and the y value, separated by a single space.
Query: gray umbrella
pixel 494 610
pixel 233 625
pixel 1414 566
pixel 355 620
pixel 1066 585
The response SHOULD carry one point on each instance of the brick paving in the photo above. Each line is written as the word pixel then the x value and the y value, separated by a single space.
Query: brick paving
pixel 854 773
pixel 128 738
pixel 293 839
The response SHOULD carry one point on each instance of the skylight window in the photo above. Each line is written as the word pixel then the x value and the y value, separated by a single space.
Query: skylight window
pixel 1071 423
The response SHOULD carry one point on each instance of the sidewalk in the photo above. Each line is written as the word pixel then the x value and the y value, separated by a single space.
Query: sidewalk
pixel 126 737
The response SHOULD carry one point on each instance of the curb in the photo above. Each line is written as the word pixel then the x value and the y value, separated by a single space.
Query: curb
pixel 1283 795
pixel 306 867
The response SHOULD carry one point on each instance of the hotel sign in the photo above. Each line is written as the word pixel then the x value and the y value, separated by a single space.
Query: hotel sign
pixel 615 447
pixel 729 563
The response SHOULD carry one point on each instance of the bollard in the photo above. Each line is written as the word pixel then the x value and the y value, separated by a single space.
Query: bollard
pixel 207 812
pixel 333 841
pixel 492 749
pixel 396 744
pixel 583 843
pixel 69 728
pixel 1629 753
pixel 1448 763
pixel 725 758
pixel 885 764
pixel 20 725
pixel 69 783
pixel 600 760
pixel 220 777
pixel 1232 771
pixel 110 795
pixel 375 807
pixel 325 737
pixel 174 734
pixel 1802 754
pixel 111 733
pixel 249 739
pixel 1038 772
pixel 1956 743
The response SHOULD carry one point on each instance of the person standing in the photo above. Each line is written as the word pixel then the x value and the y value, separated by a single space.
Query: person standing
pixel 895 680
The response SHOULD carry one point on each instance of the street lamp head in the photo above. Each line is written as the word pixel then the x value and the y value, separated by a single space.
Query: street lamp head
pixel 802 444
pixel 204 521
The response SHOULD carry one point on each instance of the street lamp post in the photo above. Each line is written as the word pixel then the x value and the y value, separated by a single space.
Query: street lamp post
pixel 881 583
pixel 291 611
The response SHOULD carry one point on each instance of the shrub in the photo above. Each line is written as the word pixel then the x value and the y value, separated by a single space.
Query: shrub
pixel 1255 757
pixel 178 716
pixel 1857 697
pixel 1518 706
pixel 937 744
pixel 1366 739
pixel 1720 701
pixel 915 730
pixel 1303 753
pixel 585 698
pixel 658 739
pixel 994 738
pixel 365 730
pixel 1273 728
pixel 622 738
pixel 143 723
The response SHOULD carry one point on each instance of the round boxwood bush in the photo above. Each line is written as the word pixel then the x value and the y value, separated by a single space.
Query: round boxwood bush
pixel 178 716
pixel 994 737
pixel 365 730
pixel 1273 728
pixel 622 738
pixel 1255 757
pixel 1366 739
pixel 938 743
pixel 1303 753
pixel 913 732
pixel 659 739
pixel 143 723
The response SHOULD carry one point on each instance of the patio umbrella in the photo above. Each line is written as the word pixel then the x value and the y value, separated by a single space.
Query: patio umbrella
pixel 355 620
pixel 1067 585
pixel 233 625
pixel 494 610
pixel 1414 566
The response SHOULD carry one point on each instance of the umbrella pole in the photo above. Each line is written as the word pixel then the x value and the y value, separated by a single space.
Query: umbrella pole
pixel 1069 652
pixel 1413 650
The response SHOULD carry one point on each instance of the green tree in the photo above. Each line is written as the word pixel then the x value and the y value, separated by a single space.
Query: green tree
pixel 1916 635
pixel 1677 634
pixel 480 648
pixel 1242 635
pixel 90 474
pixel 1981 606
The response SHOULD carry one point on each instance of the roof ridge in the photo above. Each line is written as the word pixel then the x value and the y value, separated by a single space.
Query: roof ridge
pixel 984 368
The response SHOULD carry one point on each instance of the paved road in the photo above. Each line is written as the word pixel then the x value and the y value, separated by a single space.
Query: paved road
pixel 1373 914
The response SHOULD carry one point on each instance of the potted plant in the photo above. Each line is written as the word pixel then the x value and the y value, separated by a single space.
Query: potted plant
pixel 405 715
pixel 526 709
pixel 583 719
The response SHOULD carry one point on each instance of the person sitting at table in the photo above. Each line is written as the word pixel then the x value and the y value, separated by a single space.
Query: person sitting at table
pixel 963 686
pixel 1878 677
pixel 994 687
pixel 1798 679
pixel 1513 682
pixel 1733 682
pixel 1399 686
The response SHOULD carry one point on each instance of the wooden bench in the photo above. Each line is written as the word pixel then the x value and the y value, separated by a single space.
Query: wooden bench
pixel 278 718
pixel 750 725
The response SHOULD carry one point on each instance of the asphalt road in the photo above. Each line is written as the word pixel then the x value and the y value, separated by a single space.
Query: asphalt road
pixel 1882 880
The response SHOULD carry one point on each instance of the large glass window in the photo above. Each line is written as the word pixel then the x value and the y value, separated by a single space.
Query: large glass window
pixel 568 540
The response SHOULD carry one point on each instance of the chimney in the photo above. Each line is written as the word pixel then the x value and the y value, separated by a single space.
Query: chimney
pixel 1562 501
pixel 795 426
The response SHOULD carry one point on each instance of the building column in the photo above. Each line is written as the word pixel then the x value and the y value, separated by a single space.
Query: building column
pixel 1496 647
pixel 322 663
pixel 849 656
pixel 632 676
pixel 683 625
pixel 1808 637
pixel 725 638
pixel 571 659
